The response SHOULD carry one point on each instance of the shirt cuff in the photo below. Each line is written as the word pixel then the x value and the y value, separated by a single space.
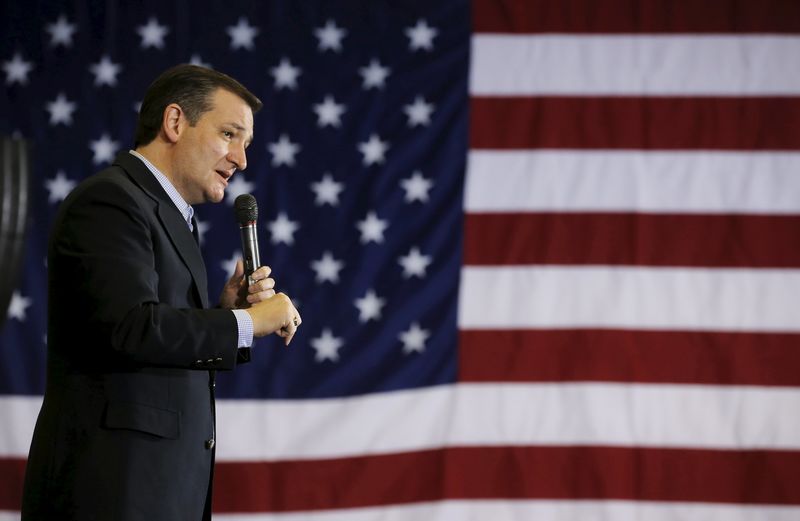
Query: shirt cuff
pixel 245 324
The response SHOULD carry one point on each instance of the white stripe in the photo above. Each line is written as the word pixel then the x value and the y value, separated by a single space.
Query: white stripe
pixel 678 182
pixel 635 65
pixel 507 510
pixel 19 415
pixel 612 414
pixel 511 414
pixel 717 299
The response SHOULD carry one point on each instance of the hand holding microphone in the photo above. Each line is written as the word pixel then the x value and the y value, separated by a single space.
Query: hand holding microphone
pixel 271 312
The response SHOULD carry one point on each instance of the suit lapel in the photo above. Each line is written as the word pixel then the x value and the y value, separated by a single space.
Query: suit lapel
pixel 187 247
pixel 171 220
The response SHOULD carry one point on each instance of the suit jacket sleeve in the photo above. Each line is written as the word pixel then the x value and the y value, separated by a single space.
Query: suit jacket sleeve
pixel 104 246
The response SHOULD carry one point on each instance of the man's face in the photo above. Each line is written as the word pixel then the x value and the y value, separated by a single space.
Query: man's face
pixel 207 154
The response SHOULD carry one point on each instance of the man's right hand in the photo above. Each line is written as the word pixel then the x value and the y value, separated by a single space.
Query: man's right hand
pixel 277 315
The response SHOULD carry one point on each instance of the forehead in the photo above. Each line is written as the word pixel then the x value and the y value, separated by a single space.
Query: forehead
pixel 228 108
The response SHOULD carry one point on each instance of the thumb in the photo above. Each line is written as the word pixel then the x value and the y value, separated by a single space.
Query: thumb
pixel 238 273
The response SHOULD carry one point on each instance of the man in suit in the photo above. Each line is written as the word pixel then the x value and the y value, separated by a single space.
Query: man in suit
pixel 126 430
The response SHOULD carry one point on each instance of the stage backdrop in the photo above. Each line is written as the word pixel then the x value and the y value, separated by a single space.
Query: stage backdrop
pixel 547 252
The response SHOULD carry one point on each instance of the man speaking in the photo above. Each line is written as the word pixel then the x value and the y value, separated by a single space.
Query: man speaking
pixel 126 430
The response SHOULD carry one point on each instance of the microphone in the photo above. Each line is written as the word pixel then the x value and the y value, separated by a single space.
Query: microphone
pixel 247 214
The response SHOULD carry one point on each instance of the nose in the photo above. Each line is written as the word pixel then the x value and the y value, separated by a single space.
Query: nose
pixel 238 156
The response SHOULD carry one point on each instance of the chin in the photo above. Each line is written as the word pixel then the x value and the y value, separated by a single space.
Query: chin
pixel 215 197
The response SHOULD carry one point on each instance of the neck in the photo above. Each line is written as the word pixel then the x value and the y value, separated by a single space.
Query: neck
pixel 160 157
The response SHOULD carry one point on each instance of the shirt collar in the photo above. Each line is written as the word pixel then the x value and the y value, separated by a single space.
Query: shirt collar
pixel 186 210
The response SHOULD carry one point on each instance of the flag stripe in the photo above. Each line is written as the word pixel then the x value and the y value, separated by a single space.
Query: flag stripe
pixel 635 16
pixel 547 65
pixel 553 510
pixel 647 181
pixel 494 472
pixel 480 509
pixel 500 414
pixel 632 239
pixel 12 471
pixel 675 123
pixel 493 414
pixel 630 298
pixel 690 357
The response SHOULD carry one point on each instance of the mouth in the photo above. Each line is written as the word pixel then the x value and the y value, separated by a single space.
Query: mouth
pixel 225 175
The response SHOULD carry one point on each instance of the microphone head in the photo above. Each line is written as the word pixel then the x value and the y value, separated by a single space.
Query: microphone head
pixel 246 209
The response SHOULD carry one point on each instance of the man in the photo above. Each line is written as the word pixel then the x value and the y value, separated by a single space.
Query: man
pixel 126 430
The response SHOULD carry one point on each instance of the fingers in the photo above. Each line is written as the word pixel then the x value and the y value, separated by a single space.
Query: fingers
pixel 260 290
pixel 290 328
pixel 262 287
pixel 261 273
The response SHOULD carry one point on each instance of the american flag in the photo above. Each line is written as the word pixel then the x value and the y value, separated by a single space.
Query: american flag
pixel 546 252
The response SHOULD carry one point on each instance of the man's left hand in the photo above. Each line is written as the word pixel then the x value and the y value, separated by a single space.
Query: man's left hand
pixel 236 294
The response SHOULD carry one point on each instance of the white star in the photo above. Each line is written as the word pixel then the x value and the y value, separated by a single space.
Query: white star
pixel 104 149
pixel 414 339
pixel 369 306
pixel 419 112
pixel 105 72
pixel 59 187
pixel 327 190
pixel 327 346
pixel 242 34
pixel 196 59
pixel 17 306
pixel 285 74
pixel 61 32
pixel 330 36
pixel 61 110
pixel 329 112
pixel 374 75
pixel 17 70
pixel 202 228
pixel 152 34
pixel 373 150
pixel 229 265
pixel 327 268
pixel 414 264
pixel 283 151
pixel 282 229
pixel 416 187
pixel 421 36
pixel 237 187
pixel 372 228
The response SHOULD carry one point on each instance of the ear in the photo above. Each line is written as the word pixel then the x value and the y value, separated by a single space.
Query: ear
pixel 173 122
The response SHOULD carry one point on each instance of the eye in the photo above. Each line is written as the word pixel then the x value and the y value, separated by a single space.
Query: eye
pixel 228 134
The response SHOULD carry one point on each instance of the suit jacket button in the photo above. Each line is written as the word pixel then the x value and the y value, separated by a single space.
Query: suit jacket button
pixel 210 361
pixel 218 360
pixel 210 444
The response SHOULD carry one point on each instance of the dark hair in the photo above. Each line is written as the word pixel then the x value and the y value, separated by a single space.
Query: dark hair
pixel 191 87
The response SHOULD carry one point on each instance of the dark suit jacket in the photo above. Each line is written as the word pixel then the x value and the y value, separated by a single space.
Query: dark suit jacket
pixel 125 428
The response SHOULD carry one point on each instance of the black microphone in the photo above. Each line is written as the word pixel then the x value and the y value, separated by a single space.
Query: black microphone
pixel 247 214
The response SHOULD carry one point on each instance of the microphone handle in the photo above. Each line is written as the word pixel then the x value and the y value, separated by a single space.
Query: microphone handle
pixel 250 249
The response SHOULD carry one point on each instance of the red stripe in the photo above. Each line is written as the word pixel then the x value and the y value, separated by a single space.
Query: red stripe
pixel 632 239
pixel 635 16
pixel 768 123
pixel 12 472
pixel 510 473
pixel 758 477
pixel 681 357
